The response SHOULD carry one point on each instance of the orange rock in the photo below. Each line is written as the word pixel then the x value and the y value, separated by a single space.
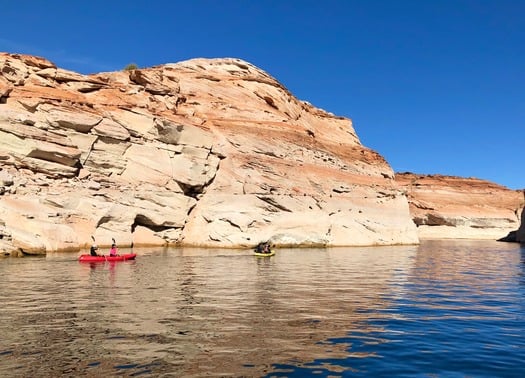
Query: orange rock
pixel 209 152
pixel 458 207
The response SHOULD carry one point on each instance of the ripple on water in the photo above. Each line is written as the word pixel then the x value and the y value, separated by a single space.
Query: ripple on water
pixel 442 308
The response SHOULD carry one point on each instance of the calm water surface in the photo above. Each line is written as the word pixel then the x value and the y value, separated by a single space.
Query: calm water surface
pixel 446 309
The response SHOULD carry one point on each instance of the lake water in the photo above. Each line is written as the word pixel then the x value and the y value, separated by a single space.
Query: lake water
pixel 441 309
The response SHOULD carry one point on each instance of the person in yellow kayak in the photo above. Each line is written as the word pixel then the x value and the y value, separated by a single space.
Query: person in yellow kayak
pixel 263 247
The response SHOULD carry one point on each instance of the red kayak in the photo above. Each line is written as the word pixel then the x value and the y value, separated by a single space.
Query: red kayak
pixel 89 258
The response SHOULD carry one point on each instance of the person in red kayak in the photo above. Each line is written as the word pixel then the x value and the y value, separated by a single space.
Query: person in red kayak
pixel 93 250
pixel 114 250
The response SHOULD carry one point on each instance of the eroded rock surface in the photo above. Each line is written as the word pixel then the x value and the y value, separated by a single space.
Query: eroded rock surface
pixel 461 208
pixel 207 152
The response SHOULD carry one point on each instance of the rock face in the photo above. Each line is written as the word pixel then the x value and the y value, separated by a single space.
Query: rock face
pixel 461 208
pixel 520 232
pixel 201 153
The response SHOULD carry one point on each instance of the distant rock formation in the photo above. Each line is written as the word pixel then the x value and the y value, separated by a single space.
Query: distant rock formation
pixel 461 208
pixel 207 152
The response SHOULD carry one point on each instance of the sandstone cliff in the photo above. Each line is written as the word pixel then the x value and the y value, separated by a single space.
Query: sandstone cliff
pixel 207 152
pixel 462 208
pixel 519 235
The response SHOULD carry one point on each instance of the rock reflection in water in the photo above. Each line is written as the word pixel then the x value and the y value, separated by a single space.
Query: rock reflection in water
pixel 189 312
pixel 195 312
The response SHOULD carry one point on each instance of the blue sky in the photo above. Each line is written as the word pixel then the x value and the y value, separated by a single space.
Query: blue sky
pixel 435 86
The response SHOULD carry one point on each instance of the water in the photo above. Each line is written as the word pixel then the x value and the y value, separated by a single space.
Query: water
pixel 441 309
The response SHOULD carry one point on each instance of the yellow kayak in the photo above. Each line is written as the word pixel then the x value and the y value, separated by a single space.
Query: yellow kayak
pixel 259 254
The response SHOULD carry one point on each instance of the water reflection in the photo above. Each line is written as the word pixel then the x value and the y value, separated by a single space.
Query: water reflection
pixel 194 312
pixel 456 311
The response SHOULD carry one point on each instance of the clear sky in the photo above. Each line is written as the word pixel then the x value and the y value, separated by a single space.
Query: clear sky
pixel 435 86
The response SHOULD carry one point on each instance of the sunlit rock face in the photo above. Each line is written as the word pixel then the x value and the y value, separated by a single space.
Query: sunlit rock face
pixel 206 152
pixel 446 207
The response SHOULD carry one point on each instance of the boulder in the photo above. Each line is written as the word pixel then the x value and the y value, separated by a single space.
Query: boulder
pixel 75 119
